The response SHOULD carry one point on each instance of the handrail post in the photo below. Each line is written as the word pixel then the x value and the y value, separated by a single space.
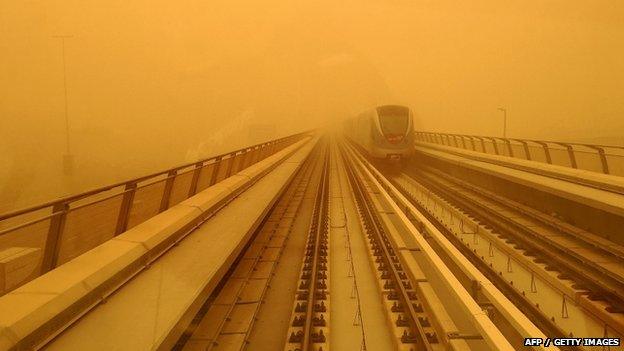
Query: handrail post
pixel 482 144
pixel 254 156
pixel 126 206
pixel 546 151
pixel 263 150
pixel 267 153
pixel 526 148
pixel 472 143
pixel 215 171
pixel 53 240
pixel 463 141
pixel 230 164
pixel 195 179
pixel 603 158
pixel 570 154
pixel 511 154
pixel 494 144
pixel 164 203
pixel 259 152
pixel 245 159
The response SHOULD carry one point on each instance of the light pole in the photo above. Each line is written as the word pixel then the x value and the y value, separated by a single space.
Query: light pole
pixel 504 121
pixel 68 161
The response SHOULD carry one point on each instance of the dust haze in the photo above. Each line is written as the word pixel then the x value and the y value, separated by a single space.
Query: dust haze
pixel 154 84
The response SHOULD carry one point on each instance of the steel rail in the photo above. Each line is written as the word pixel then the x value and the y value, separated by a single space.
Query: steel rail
pixel 372 224
pixel 318 223
pixel 313 271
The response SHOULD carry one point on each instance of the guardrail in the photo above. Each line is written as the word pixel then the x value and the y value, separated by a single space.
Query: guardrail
pixel 65 228
pixel 605 159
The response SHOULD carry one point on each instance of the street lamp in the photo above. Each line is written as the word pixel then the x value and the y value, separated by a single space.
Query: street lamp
pixel 504 121
pixel 68 158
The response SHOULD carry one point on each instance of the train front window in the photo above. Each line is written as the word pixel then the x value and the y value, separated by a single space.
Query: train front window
pixel 393 119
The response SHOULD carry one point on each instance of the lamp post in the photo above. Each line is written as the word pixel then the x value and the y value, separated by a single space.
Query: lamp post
pixel 68 158
pixel 504 121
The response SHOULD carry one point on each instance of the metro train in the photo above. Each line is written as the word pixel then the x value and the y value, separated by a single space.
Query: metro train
pixel 384 132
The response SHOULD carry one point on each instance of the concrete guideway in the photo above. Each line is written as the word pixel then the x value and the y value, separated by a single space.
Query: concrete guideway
pixel 553 303
pixel 404 209
pixel 254 261
pixel 42 308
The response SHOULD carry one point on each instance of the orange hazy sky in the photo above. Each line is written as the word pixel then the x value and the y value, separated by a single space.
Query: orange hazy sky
pixel 157 83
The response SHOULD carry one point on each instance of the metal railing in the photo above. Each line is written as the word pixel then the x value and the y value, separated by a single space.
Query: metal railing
pixel 70 226
pixel 596 158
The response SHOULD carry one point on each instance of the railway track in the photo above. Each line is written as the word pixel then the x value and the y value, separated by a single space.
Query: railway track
pixel 404 306
pixel 562 276
pixel 426 307
pixel 595 263
pixel 310 313
pixel 435 282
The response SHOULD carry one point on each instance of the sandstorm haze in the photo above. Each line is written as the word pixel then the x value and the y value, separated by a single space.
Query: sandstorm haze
pixel 153 84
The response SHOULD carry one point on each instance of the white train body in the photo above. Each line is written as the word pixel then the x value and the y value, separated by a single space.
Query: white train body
pixel 385 132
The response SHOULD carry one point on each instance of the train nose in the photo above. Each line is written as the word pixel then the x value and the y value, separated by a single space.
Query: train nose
pixel 394 138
